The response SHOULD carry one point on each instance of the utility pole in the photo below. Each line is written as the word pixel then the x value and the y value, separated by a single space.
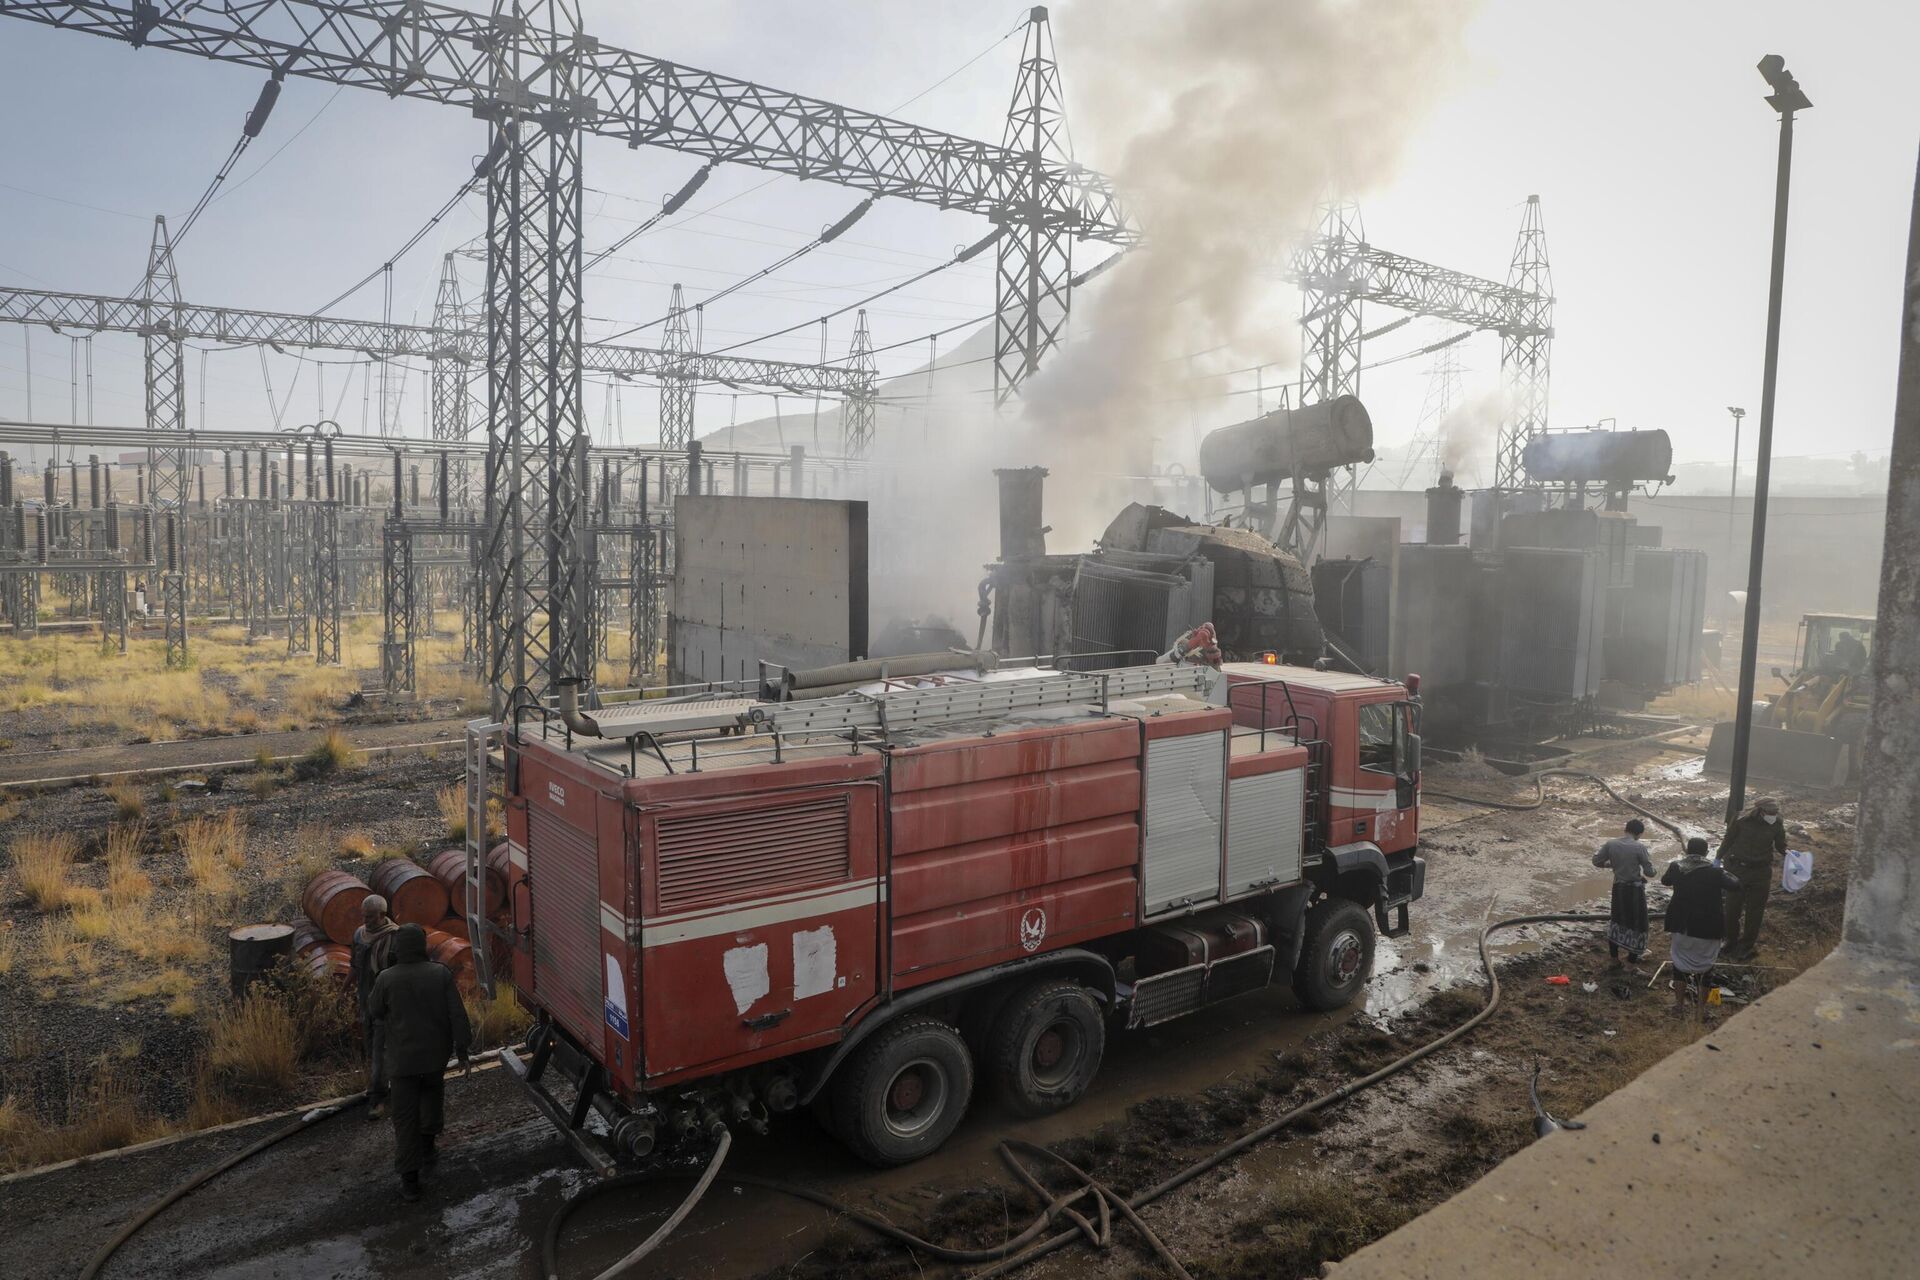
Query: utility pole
pixel 1786 99
pixel 1733 496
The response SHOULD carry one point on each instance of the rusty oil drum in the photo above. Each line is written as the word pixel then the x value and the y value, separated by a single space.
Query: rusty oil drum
pixel 306 936
pixel 449 867
pixel 457 955
pixel 413 896
pixel 332 901
pixel 331 961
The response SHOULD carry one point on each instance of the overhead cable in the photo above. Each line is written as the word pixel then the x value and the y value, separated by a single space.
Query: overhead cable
pixel 828 235
pixel 966 254
pixel 480 172
pixel 671 206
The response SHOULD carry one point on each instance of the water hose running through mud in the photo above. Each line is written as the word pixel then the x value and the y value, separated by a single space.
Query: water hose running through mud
pixel 1028 1245
pixel 207 1175
pixel 1019 1250
pixel 1540 798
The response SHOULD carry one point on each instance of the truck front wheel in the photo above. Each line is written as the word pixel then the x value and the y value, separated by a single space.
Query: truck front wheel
pixel 903 1092
pixel 1046 1046
pixel 1336 955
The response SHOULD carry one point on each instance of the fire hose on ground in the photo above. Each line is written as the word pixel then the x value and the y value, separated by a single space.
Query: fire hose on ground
pixel 1032 1242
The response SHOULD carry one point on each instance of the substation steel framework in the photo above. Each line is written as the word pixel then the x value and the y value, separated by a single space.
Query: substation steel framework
pixel 1338 270
pixel 542 84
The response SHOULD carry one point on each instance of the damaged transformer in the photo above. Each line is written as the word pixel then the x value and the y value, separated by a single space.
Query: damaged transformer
pixel 1154 575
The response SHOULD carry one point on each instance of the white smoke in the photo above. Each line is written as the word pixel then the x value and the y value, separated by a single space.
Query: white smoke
pixel 1469 431
pixel 1222 123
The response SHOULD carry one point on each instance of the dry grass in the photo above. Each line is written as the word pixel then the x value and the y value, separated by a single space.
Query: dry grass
pixel 108 1117
pixel 126 882
pixel 318 692
pixel 356 844
pixel 44 864
pixel 9 946
pixel 254 1046
pixel 127 800
pixel 10 807
pixel 169 982
pixel 163 937
pixel 63 953
pixel 331 754
pixel 498 1020
pixel 213 847
pixel 452 803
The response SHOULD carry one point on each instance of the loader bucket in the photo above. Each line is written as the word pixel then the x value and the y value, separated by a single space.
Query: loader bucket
pixel 1781 755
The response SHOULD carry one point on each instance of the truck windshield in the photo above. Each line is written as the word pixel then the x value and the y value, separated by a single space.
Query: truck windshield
pixel 1379 727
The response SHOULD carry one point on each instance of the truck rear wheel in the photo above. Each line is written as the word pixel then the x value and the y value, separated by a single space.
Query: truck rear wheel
pixel 903 1092
pixel 1046 1046
pixel 1336 955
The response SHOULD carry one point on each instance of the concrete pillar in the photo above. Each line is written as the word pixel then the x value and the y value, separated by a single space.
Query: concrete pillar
pixel 1883 900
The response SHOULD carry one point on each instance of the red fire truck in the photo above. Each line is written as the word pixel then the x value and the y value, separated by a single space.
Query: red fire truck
pixel 722 908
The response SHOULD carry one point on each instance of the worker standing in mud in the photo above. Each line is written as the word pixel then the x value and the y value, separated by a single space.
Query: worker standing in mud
pixel 422 1023
pixel 372 953
pixel 1696 917
pixel 1632 867
pixel 1752 842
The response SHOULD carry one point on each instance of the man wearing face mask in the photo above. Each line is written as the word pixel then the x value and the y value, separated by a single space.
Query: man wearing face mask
pixel 1753 840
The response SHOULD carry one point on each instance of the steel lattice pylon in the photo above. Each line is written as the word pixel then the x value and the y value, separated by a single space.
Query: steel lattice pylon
pixel 534 606
pixel 451 375
pixel 167 425
pixel 1524 350
pixel 678 382
pixel 857 413
pixel 1033 275
pixel 1332 282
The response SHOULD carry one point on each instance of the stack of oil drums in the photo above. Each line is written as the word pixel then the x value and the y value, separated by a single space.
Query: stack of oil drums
pixel 432 896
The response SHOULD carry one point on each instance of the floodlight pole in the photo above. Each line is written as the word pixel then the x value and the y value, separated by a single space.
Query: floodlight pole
pixel 1786 98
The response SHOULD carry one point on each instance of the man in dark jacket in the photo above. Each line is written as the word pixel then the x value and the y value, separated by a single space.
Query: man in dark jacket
pixel 422 1023
pixel 372 953
pixel 1753 841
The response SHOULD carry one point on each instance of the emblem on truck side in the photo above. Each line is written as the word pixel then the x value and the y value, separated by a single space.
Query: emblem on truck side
pixel 1033 928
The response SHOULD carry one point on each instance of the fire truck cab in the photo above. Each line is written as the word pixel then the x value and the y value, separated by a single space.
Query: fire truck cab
pixel 722 908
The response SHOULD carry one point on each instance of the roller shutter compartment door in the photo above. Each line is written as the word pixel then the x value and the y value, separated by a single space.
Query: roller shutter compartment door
pixel 1263 830
pixel 563 872
pixel 1186 790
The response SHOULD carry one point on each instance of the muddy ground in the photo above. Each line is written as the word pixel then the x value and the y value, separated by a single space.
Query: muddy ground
pixel 321 1206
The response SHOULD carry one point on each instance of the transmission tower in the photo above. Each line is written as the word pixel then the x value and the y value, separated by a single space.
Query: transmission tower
pixel 1330 294
pixel 166 380
pixel 1429 433
pixel 450 373
pixel 1524 351
pixel 535 603
pixel 857 410
pixel 1034 262
pixel 676 386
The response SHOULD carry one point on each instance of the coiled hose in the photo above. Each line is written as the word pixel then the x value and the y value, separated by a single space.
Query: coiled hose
pixel 1033 1242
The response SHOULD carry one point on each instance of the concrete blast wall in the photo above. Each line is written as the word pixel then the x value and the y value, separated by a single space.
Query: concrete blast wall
pixel 765 580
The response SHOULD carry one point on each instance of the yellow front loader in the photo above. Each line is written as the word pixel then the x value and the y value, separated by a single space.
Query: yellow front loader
pixel 1810 732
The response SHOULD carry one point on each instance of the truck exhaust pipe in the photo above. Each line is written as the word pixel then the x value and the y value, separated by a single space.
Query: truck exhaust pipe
pixel 577 721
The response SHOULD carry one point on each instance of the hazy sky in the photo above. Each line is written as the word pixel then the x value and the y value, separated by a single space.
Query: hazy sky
pixel 1640 125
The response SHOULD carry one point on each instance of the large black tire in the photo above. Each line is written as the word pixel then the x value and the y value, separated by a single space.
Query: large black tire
pixel 1046 1046
pixel 1336 956
pixel 903 1092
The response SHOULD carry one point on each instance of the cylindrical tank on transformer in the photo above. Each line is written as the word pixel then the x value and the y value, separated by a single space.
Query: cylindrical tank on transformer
pixel 1616 459
pixel 1309 441
pixel 1443 512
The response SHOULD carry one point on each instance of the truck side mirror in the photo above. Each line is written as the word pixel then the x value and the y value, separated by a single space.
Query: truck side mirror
pixel 1778 674
pixel 1413 755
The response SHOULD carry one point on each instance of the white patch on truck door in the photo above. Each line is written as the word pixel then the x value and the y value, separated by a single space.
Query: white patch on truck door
pixel 814 962
pixel 746 970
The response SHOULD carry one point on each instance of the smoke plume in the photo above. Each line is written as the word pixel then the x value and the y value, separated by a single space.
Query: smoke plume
pixel 1222 124
pixel 1468 431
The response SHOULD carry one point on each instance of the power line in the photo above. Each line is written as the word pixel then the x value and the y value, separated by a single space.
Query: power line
pixel 480 171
